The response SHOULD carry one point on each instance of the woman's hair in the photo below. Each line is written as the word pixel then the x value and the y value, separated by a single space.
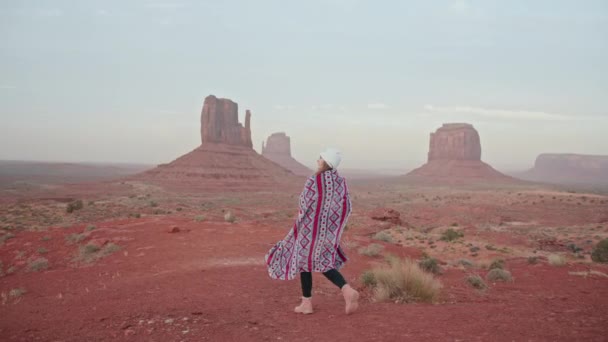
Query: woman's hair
pixel 325 167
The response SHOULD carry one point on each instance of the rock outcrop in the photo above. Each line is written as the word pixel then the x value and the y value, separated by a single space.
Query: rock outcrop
pixel 455 141
pixel 569 169
pixel 455 156
pixel 278 149
pixel 220 123
pixel 225 158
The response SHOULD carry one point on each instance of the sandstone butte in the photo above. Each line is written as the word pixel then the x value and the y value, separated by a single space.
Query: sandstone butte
pixel 278 149
pixel 225 158
pixel 455 156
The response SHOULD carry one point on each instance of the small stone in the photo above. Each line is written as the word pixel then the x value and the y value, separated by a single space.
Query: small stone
pixel 174 229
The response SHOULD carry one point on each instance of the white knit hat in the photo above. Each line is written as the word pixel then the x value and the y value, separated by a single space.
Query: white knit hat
pixel 332 157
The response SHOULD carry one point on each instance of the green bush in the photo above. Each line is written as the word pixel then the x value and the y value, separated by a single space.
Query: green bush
pixel 476 281
pixel 430 265
pixel 451 235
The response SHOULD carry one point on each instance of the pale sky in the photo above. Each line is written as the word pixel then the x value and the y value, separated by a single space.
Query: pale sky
pixel 124 81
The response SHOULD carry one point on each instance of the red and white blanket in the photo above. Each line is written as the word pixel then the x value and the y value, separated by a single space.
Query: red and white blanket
pixel 313 244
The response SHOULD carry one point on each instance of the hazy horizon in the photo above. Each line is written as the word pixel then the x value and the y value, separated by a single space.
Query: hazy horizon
pixel 108 81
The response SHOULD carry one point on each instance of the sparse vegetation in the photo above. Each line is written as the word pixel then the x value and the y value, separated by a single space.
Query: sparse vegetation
pixel 199 218
pixel 497 264
pixel 74 206
pixel 532 260
pixel 16 293
pixel 89 228
pixel 368 279
pixel 451 235
pixel 90 252
pixel 371 250
pixel 402 281
pixel 153 204
pixel 6 237
pixel 42 250
pixel 430 265
pixel 383 236
pixel 600 252
pixel 229 217
pixel 45 238
pixel 75 238
pixel 465 262
pixel 476 281
pixel 38 265
pixel 556 260
pixel 498 274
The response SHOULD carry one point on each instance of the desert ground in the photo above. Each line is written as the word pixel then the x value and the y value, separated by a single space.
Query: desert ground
pixel 139 262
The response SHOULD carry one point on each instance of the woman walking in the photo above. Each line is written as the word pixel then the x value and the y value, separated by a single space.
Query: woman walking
pixel 313 244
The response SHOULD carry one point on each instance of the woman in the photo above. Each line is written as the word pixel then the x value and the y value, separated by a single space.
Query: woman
pixel 313 244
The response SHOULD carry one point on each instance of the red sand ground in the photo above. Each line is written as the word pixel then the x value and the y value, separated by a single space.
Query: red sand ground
pixel 209 283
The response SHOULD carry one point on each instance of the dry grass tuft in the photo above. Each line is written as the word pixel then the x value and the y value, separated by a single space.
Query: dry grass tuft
pixel 402 281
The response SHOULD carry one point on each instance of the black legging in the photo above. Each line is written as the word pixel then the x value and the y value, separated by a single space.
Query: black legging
pixel 306 279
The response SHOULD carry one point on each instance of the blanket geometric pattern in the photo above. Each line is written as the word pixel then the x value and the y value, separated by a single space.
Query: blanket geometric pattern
pixel 313 244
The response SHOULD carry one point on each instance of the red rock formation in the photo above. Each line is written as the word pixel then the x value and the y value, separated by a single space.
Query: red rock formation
pixel 455 141
pixel 569 169
pixel 455 156
pixel 220 123
pixel 278 149
pixel 225 158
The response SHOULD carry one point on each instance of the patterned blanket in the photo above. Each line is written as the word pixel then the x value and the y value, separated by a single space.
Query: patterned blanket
pixel 313 244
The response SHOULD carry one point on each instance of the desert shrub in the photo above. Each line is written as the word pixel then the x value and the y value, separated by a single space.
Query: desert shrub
pixel 75 238
pixel 74 205
pixel 153 204
pixel 451 235
pixel 42 250
pixel 371 250
pixel 45 238
pixel 109 249
pixel 499 274
pixel 532 260
pixel 229 217
pixel 368 279
pixel 90 253
pixel 600 251
pixel 430 265
pixel 402 280
pixel 199 218
pixel 90 227
pixel 498 263
pixel 38 265
pixel 16 293
pixel 556 260
pixel 476 281
pixel 383 236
